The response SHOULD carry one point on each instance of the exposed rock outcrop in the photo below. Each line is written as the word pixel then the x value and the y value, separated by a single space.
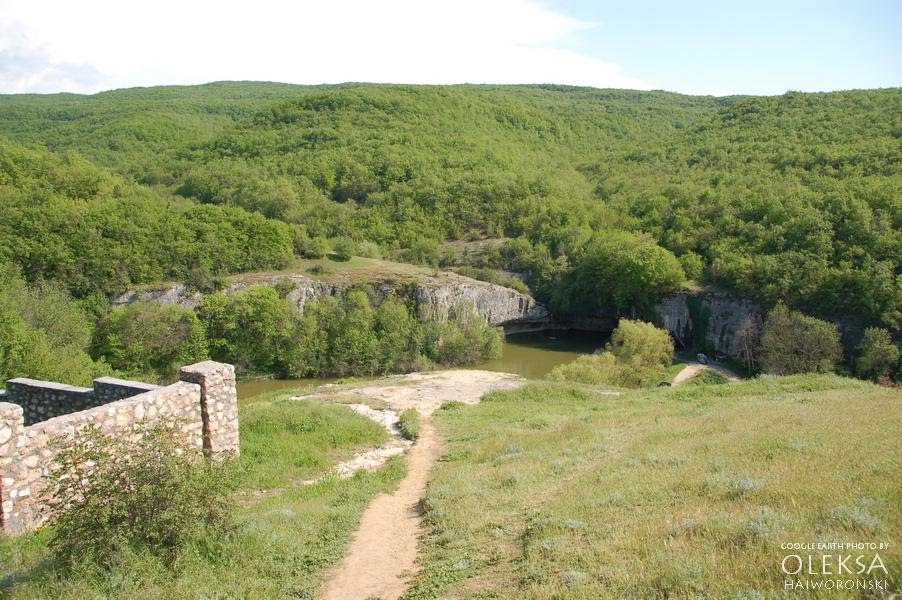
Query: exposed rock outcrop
pixel 721 315
pixel 498 304
pixel 435 295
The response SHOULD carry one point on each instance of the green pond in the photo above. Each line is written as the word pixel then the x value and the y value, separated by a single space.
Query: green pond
pixel 532 355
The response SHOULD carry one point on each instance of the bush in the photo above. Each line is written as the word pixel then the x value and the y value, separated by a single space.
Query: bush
pixel 622 270
pixel 44 333
pixel 878 356
pixel 156 495
pixel 422 252
pixel 795 343
pixel 150 340
pixel 368 249
pixel 343 248
pixel 464 338
pixel 317 248
pixel 409 424
pixel 637 355
pixel 708 377
pixel 493 276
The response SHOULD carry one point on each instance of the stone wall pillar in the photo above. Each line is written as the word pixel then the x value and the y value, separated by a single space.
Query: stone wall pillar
pixel 218 404
pixel 12 438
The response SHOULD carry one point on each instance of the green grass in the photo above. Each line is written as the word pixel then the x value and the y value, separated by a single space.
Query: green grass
pixel 284 441
pixel 673 370
pixel 356 270
pixel 708 377
pixel 287 534
pixel 409 424
pixel 553 491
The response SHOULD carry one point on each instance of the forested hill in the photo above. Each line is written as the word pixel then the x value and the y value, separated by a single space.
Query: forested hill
pixel 796 197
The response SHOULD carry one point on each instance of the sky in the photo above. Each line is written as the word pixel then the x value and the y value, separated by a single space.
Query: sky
pixel 696 47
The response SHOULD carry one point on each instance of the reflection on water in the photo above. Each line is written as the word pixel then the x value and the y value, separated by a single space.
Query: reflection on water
pixel 532 355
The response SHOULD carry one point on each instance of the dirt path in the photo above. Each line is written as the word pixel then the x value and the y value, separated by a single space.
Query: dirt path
pixel 693 369
pixel 382 555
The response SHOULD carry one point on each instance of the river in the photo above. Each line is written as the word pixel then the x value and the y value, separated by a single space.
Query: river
pixel 532 355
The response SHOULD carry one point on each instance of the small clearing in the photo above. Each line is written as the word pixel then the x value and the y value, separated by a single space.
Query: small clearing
pixel 382 555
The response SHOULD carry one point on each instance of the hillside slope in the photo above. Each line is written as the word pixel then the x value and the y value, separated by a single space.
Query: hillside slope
pixel 793 197
pixel 556 491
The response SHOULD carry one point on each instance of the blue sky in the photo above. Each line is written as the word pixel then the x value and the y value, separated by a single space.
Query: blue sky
pixel 752 46
pixel 696 47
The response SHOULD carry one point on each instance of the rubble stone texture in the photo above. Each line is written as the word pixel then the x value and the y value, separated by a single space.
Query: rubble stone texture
pixel 203 406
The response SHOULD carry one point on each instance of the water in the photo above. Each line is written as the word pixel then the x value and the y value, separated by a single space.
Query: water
pixel 532 355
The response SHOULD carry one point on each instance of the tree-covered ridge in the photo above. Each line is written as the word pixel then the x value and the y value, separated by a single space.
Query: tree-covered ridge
pixel 793 197
pixel 63 219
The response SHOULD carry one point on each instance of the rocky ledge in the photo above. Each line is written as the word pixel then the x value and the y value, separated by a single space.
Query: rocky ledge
pixel 436 295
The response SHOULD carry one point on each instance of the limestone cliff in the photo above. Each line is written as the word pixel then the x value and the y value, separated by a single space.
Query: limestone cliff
pixel 720 314
pixel 434 294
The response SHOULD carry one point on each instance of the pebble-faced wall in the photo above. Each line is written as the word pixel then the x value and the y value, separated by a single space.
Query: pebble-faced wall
pixel 205 409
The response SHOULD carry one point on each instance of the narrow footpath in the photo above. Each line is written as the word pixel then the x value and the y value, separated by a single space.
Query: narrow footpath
pixel 694 368
pixel 381 558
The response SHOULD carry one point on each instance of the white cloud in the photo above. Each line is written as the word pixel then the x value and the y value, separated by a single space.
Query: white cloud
pixel 90 45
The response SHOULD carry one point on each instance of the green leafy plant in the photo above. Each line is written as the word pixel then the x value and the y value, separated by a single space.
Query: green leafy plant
pixel 155 494
pixel 637 355
pixel 792 342
pixel 409 424
pixel 878 356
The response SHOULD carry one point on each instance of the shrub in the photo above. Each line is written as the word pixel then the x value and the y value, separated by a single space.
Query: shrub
pixel 493 276
pixel 878 356
pixel 465 337
pixel 156 495
pixel 708 377
pixel 317 248
pixel 795 343
pixel 150 339
pixel 368 249
pixel 693 265
pixel 409 424
pixel 637 355
pixel 422 252
pixel 343 248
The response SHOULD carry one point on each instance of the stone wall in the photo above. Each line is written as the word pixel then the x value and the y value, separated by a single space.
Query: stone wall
pixel 219 407
pixel 110 389
pixel 203 406
pixel 42 400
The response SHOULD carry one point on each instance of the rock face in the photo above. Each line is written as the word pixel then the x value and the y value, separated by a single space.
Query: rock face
pixel 170 294
pixel 434 295
pixel 498 304
pixel 722 315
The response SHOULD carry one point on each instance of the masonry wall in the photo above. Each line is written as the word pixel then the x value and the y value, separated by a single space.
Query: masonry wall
pixel 42 400
pixel 205 409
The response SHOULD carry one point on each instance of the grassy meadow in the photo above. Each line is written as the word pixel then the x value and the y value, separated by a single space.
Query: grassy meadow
pixel 555 491
pixel 287 535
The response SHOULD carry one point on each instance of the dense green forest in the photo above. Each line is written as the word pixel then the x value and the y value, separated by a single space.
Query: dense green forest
pixel 795 198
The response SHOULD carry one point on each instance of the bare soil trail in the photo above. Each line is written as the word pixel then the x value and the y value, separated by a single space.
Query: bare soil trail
pixel 693 369
pixel 381 558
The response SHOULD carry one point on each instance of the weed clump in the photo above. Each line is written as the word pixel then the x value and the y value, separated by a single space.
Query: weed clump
pixel 409 424
pixel 158 495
